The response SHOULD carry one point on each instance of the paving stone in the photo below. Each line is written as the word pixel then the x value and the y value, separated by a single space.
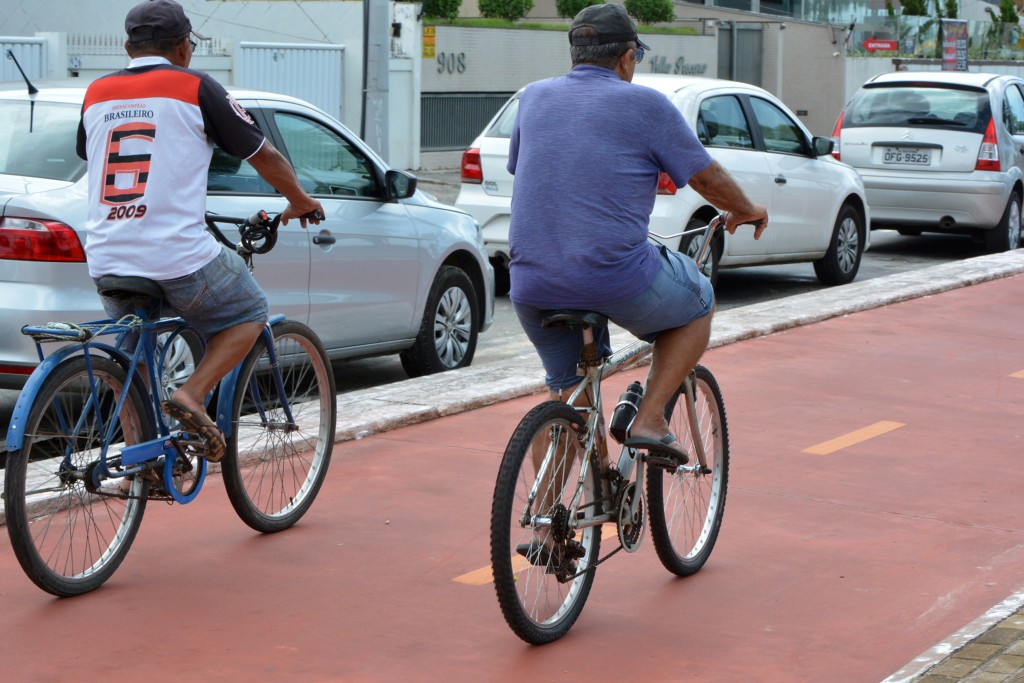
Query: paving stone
pixel 979 651
pixel 1006 664
pixel 955 668
pixel 999 636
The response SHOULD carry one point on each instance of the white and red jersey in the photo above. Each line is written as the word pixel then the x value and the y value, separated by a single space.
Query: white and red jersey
pixel 148 133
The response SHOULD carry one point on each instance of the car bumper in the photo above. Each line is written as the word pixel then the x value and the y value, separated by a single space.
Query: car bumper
pixel 493 213
pixel 922 201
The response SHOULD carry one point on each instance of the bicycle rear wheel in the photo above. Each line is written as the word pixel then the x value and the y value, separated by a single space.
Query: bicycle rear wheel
pixel 542 592
pixel 68 535
pixel 274 467
pixel 686 505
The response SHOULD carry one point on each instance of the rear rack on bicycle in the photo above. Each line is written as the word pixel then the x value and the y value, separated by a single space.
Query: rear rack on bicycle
pixel 80 332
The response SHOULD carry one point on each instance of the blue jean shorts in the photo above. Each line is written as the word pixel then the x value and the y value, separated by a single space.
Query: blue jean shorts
pixel 679 295
pixel 220 295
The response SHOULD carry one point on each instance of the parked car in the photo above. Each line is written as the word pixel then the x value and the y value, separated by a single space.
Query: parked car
pixel 816 205
pixel 939 151
pixel 389 270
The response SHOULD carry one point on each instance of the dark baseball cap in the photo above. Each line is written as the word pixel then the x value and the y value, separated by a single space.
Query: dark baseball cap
pixel 156 19
pixel 611 24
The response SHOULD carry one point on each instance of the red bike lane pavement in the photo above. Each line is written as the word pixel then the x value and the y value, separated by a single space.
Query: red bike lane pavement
pixel 874 508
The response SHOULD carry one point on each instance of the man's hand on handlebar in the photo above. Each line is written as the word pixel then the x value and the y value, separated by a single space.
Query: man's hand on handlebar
pixel 756 216
pixel 310 211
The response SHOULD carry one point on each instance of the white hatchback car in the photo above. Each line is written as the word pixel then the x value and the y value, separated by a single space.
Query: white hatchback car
pixel 816 205
pixel 939 151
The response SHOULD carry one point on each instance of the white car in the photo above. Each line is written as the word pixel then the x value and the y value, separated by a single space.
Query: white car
pixel 816 205
pixel 939 151
pixel 388 271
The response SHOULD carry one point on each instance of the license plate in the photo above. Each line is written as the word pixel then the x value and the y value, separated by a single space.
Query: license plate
pixel 911 156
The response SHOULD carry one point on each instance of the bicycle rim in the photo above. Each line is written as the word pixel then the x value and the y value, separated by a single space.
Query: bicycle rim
pixel 275 467
pixel 68 539
pixel 686 505
pixel 539 602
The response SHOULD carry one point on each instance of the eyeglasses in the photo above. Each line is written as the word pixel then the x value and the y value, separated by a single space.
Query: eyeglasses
pixel 639 54
pixel 194 44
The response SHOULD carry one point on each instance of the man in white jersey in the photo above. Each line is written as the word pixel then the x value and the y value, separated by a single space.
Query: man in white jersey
pixel 148 133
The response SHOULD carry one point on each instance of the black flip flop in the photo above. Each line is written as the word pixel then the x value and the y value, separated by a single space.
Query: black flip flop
pixel 201 424
pixel 660 446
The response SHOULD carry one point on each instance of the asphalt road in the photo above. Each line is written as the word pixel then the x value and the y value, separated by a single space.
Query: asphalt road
pixel 890 253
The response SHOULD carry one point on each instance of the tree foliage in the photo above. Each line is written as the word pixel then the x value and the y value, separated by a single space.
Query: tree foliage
pixel 510 10
pixel 650 11
pixel 442 9
pixel 570 8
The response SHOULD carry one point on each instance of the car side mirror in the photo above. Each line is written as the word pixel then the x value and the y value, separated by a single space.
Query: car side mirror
pixel 822 146
pixel 399 184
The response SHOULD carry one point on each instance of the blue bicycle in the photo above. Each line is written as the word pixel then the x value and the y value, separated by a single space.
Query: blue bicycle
pixel 89 445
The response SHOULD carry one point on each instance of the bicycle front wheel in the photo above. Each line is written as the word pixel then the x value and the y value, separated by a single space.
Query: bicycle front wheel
pixel 543 570
pixel 686 504
pixel 275 465
pixel 68 534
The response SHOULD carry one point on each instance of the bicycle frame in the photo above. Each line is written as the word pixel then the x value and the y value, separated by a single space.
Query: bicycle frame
pixel 594 373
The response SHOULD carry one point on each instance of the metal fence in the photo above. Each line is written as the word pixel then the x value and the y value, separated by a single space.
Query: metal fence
pixel 450 121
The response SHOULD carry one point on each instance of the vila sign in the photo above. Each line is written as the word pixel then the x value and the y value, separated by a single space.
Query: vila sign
pixel 872 45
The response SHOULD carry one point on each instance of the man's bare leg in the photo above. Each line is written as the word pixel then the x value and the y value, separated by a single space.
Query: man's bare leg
pixel 675 354
pixel 223 352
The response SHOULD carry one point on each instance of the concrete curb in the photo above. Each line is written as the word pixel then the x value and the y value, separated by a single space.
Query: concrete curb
pixel 372 411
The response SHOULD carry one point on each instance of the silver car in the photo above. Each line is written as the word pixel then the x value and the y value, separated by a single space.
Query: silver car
pixel 390 270
pixel 939 151
pixel 816 205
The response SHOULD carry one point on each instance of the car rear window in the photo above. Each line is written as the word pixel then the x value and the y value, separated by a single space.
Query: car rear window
pixel 37 139
pixel 918 105
pixel 502 128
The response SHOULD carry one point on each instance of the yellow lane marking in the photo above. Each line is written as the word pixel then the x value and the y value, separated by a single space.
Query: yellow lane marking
pixel 485 575
pixel 1019 374
pixel 869 432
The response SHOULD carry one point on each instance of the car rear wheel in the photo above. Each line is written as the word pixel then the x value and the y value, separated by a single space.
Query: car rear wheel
pixel 1006 235
pixel 841 262
pixel 448 333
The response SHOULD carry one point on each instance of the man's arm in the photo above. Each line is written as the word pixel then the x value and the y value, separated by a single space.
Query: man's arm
pixel 276 170
pixel 718 187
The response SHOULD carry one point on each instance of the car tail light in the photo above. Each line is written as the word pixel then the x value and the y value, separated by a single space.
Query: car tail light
pixel 835 137
pixel 17 369
pixel 665 184
pixel 988 155
pixel 472 172
pixel 27 239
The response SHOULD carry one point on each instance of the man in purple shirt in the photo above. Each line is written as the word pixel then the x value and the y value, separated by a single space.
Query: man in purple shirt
pixel 586 152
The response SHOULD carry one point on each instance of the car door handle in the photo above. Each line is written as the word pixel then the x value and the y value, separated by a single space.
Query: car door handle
pixel 323 239
pixel 780 180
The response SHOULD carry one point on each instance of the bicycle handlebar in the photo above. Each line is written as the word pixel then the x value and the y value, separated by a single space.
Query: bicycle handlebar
pixel 712 229
pixel 257 233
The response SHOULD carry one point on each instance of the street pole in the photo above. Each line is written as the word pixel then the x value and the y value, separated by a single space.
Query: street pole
pixel 376 52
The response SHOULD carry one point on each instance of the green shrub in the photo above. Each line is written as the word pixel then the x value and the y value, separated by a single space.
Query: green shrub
pixel 570 8
pixel 442 9
pixel 650 11
pixel 512 10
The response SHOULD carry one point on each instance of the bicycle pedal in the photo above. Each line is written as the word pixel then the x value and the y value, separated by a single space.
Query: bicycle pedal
pixel 661 461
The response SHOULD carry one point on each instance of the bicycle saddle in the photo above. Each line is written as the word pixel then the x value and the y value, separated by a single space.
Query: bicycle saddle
pixel 570 318
pixel 127 287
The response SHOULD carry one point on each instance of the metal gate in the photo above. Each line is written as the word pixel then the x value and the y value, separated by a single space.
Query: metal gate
pixel 740 52
pixel 31 55
pixel 450 121
pixel 313 72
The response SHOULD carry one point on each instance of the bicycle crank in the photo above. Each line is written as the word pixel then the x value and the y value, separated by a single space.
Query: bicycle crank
pixel 630 517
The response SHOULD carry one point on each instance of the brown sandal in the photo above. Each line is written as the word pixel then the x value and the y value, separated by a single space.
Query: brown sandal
pixel 200 424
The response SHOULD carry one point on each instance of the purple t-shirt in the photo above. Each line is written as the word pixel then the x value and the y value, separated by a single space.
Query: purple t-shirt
pixel 586 151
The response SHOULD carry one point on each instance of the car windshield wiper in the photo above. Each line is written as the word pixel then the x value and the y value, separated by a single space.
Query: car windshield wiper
pixel 935 121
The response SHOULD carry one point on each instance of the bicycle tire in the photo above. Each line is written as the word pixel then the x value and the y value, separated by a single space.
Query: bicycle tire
pixel 536 604
pixel 69 540
pixel 686 506
pixel 272 473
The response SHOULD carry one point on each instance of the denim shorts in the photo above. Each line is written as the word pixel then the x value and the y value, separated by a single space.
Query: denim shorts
pixel 679 295
pixel 220 295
